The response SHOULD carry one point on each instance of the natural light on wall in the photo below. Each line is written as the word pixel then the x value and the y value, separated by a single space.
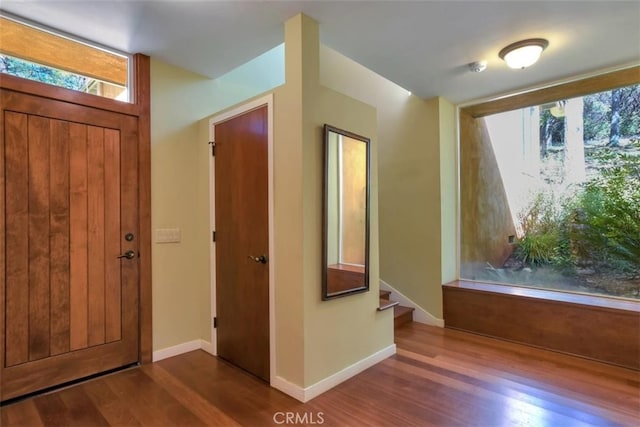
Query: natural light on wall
pixel 35 54
pixel 552 196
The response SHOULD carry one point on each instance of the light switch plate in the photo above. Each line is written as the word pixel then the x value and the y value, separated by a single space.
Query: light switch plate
pixel 168 235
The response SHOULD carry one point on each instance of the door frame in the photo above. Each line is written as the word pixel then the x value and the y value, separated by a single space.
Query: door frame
pixel 224 116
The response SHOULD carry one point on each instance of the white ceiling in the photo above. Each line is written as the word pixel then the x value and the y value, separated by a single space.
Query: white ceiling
pixel 424 46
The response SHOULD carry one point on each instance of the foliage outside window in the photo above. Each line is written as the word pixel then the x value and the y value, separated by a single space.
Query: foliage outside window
pixel 41 73
pixel 570 171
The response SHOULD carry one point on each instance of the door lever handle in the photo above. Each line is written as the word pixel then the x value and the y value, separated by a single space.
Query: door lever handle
pixel 128 255
pixel 261 259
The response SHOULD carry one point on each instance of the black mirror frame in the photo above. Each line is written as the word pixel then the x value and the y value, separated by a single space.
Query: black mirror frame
pixel 325 292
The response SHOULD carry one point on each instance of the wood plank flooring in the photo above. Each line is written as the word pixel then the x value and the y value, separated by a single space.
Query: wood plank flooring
pixel 439 377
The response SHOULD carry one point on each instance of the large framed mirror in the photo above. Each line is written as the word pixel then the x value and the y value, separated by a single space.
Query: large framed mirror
pixel 345 266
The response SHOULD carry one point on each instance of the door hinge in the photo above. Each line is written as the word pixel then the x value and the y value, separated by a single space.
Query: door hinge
pixel 213 236
pixel 213 147
pixel 215 322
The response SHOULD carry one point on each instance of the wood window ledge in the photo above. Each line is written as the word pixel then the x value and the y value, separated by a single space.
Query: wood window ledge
pixel 549 295
pixel 590 326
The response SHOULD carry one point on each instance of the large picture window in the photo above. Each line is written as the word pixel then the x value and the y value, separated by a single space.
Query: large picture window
pixel 550 194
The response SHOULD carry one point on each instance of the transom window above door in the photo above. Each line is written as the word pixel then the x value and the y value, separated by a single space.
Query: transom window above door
pixel 41 55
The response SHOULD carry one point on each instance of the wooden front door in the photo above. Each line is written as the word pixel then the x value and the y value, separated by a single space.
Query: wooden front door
pixel 242 241
pixel 68 197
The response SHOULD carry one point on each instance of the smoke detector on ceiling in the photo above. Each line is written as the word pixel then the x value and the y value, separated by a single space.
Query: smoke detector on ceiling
pixel 478 66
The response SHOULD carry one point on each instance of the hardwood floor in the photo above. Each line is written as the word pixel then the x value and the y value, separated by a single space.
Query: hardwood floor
pixel 438 377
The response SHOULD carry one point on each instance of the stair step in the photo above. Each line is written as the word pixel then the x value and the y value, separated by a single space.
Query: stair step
pixel 402 315
pixel 385 304
pixel 384 294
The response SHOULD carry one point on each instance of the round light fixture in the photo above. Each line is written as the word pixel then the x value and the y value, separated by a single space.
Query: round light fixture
pixel 524 53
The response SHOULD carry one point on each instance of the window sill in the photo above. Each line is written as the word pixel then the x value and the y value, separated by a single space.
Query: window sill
pixel 549 295
pixel 593 327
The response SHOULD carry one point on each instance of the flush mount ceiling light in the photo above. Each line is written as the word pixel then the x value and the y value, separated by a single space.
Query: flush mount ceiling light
pixel 523 53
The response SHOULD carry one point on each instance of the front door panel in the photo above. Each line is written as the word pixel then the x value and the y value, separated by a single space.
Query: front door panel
pixel 69 192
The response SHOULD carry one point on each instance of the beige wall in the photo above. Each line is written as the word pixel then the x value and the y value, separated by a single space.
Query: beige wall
pixel 314 339
pixel 289 212
pixel 332 334
pixel 180 270
pixel 417 210
pixel 448 190
pixel 340 332
pixel 180 189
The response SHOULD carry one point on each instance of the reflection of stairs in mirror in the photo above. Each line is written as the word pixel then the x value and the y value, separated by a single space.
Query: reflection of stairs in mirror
pixel 401 314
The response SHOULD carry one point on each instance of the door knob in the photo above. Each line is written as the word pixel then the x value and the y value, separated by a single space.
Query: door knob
pixel 128 255
pixel 261 259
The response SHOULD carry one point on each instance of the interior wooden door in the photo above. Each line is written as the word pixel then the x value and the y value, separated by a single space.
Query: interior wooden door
pixel 68 193
pixel 242 241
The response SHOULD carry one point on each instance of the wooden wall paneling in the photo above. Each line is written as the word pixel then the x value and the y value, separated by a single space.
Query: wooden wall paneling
pixel 142 88
pixel 96 238
pixel 17 234
pixel 79 337
pixel 39 308
pixel 112 233
pixel 60 239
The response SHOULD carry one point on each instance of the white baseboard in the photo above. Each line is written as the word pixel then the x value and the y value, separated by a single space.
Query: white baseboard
pixel 208 347
pixel 348 372
pixel 176 350
pixel 420 315
pixel 308 393
pixel 288 388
